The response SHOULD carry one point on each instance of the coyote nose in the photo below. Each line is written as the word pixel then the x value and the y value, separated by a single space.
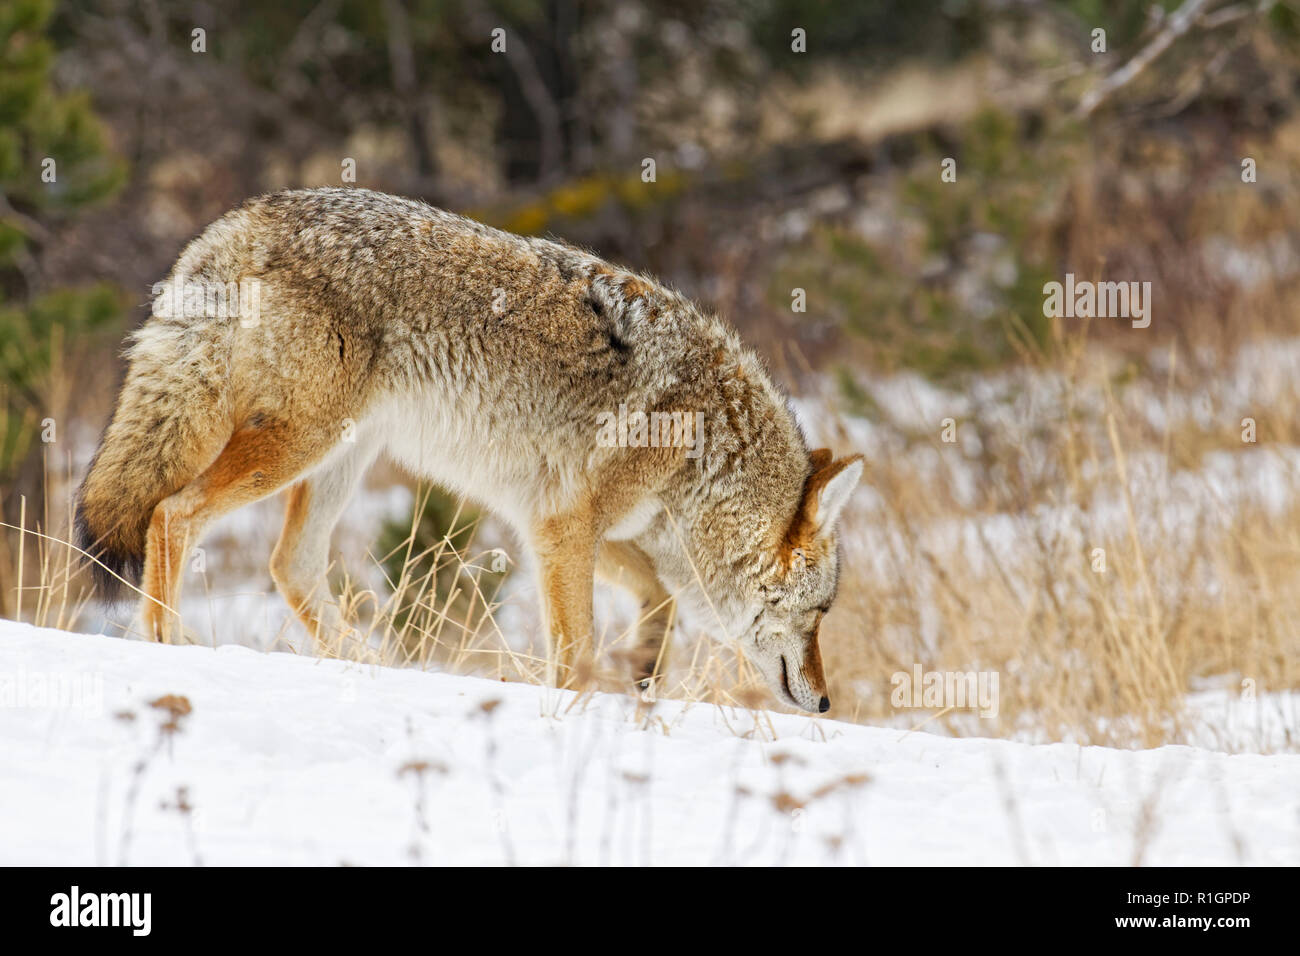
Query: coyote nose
pixel 824 706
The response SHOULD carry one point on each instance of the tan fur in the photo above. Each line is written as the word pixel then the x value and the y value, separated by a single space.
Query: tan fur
pixel 483 361
pixel 624 564
pixel 296 510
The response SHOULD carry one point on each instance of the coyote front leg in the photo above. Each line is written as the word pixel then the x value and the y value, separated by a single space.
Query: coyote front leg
pixel 566 552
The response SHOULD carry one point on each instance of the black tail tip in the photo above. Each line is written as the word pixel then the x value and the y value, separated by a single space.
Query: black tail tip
pixel 111 568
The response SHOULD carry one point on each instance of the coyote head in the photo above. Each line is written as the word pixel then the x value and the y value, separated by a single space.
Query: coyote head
pixel 790 601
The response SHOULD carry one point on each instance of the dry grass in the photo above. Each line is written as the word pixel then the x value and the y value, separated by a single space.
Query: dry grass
pixel 1198 581
pixel 975 555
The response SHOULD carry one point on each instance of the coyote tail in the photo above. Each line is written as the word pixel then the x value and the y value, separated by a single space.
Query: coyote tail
pixel 162 434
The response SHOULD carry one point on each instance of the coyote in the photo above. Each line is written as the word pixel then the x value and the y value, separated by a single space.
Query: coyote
pixel 366 323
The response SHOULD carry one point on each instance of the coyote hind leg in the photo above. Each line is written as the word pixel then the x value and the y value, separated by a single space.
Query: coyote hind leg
pixel 625 564
pixel 301 557
pixel 258 460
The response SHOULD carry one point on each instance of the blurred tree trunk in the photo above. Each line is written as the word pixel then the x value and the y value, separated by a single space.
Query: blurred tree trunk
pixel 535 96
pixel 620 131
pixel 401 62
pixel 579 155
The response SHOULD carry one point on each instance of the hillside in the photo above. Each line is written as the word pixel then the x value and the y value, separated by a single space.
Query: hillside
pixel 289 760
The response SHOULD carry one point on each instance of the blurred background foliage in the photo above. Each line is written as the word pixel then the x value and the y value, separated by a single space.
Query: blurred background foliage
pixel 54 162
pixel 776 169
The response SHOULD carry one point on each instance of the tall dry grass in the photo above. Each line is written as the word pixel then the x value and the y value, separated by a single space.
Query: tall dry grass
pixel 979 554
pixel 1102 567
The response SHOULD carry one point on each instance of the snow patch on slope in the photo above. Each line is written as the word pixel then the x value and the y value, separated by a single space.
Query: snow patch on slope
pixel 293 760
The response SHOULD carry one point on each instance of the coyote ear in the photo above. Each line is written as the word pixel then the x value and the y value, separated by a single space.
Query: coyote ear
pixel 825 493
pixel 829 489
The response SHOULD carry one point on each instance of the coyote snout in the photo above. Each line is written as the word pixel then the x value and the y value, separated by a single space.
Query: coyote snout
pixel 793 668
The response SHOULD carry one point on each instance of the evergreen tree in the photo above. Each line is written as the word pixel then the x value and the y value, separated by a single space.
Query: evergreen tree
pixel 54 161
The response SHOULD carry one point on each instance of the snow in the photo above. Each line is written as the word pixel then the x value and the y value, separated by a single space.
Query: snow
pixel 287 759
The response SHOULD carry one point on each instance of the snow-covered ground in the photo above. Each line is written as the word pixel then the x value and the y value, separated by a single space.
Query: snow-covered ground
pixel 291 760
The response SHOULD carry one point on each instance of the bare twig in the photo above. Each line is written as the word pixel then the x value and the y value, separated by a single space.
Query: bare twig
pixel 1176 25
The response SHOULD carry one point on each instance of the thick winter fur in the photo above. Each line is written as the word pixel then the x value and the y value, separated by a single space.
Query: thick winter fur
pixel 483 361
